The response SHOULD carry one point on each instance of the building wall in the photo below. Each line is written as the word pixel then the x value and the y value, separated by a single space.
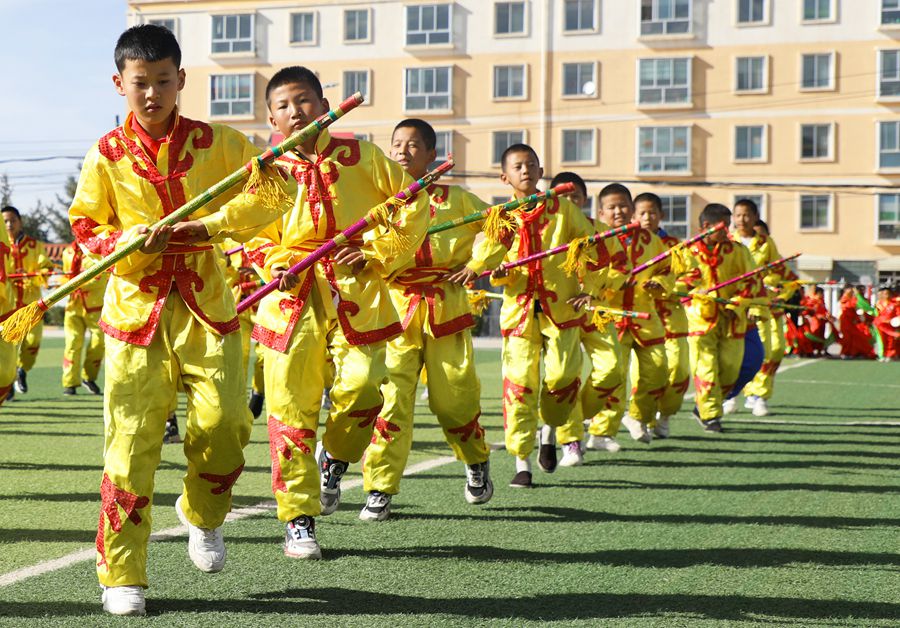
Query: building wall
pixel 855 36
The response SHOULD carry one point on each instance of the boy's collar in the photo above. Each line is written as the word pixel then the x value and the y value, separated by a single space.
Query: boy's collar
pixel 131 123
pixel 322 142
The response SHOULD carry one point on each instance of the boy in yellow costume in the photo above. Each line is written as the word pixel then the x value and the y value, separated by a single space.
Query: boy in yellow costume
pixel 717 330
pixel 770 322
pixel 646 338
pixel 27 255
pixel 436 321
pixel 7 307
pixel 648 211
pixel 168 313
pixel 340 307
pixel 540 315
pixel 82 315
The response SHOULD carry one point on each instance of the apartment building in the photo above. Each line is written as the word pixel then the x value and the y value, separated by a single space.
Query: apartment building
pixel 790 102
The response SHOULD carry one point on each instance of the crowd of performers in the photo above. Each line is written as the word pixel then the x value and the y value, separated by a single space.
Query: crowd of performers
pixel 365 321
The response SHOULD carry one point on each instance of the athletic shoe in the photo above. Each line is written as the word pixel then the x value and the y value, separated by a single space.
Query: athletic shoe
pixel 661 429
pixel 300 539
pixel 332 471
pixel 256 404
pixel 750 401
pixel 205 547
pixel 123 600
pixel 522 479
pixel 710 425
pixel 21 383
pixel 729 406
pixel 572 456
pixel 326 399
pixel 638 430
pixel 479 488
pixel 12 393
pixel 547 449
pixel 761 407
pixel 603 443
pixel 69 390
pixel 377 508
pixel 92 386
pixel 424 395
pixel 171 436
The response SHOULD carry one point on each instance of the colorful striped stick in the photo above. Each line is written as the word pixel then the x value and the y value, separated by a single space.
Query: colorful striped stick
pixel 680 245
pixel 565 247
pixel 23 275
pixel 687 296
pixel 16 326
pixel 376 215
pixel 236 249
pixel 612 311
pixel 753 272
pixel 563 188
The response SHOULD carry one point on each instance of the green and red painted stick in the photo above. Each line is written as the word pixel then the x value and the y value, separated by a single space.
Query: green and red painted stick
pixel 748 275
pixel 680 245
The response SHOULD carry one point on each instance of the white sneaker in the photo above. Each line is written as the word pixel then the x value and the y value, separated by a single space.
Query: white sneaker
pixel 424 395
pixel 750 401
pixel 300 539
pixel 661 429
pixel 205 547
pixel 638 430
pixel 377 508
pixel 729 406
pixel 479 487
pixel 123 600
pixel 331 471
pixel 761 407
pixel 572 456
pixel 603 443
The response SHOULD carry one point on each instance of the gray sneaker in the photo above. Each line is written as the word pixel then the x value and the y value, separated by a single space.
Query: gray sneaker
pixel 332 471
pixel 479 488
pixel 300 539
pixel 377 508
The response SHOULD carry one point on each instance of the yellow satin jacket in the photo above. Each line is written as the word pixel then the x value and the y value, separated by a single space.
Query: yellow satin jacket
pixel 90 296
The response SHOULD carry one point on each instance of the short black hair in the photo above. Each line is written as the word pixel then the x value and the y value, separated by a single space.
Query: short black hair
pixel 649 197
pixel 294 74
pixel 425 130
pixel 518 148
pixel 147 42
pixel 763 224
pixel 750 204
pixel 615 188
pixel 569 177
pixel 10 208
pixel 714 213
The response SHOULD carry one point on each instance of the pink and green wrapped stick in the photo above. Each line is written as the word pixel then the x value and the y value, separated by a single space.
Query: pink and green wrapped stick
pixel 359 226
pixel 747 275
pixel 680 245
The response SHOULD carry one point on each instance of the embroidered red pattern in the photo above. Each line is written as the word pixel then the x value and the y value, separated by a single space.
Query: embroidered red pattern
pixel 223 482
pixel 111 499
pixel 281 437
pixel 472 429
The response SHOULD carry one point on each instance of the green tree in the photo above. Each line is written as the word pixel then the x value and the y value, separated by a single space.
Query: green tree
pixel 6 190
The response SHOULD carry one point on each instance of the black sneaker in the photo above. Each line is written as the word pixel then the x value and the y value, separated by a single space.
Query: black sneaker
pixel 171 435
pixel 522 479
pixel 256 404
pixel 21 383
pixel 69 390
pixel 710 425
pixel 300 539
pixel 92 386
pixel 332 471
pixel 479 488
pixel 547 458
pixel 377 508
pixel 12 393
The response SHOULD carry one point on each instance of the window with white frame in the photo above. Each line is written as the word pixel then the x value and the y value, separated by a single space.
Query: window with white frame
pixel 356 81
pixel 428 89
pixel 889 145
pixel 749 143
pixel 232 33
pixel 750 74
pixel 818 71
pixel 165 22
pixel 815 141
pixel 356 25
pixel 502 140
pixel 363 137
pixel 303 28
pixel 579 15
pixel 817 10
pixel 889 73
pixel 588 208
pixel 509 81
pixel 888 217
pixel 579 79
pixel 231 95
pixel 443 145
pixel 664 81
pixel 676 214
pixel 751 12
pixel 758 199
pixel 509 18
pixel 815 211
pixel 428 24
pixel 665 17
pixel 664 149
pixel 579 146
pixel 890 11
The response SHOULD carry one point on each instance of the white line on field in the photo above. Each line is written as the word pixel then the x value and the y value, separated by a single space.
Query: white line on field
pixel 842 423
pixel 831 383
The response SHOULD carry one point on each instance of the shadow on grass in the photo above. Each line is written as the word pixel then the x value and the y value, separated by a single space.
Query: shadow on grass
pixel 765 464
pixel 890 451
pixel 159 499
pixel 14 535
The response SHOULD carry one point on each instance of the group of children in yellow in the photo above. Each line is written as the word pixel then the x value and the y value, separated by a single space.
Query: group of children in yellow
pixel 365 321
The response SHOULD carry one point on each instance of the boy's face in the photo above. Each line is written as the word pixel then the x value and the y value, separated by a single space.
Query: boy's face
pixel 716 237
pixel 151 89
pixel 743 219
pixel 616 210
pixel 13 224
pixel 648 214
pixel 292 106
pixel 408 149
pixel 522 171
pixel 578 197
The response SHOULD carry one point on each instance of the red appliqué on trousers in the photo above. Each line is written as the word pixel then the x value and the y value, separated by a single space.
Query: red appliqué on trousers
pixel 281 437
pixel 384 427
pixel 470 429
pixel 111 499
pixel 567 394
pixel 224 482
pixel 368 415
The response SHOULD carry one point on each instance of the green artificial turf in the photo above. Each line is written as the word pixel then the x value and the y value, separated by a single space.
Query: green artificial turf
pixel 792 521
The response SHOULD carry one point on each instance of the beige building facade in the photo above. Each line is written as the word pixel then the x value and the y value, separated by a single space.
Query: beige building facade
pixel 791 102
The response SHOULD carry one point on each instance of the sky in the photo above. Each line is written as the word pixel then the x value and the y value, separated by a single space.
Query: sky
pixel 56 96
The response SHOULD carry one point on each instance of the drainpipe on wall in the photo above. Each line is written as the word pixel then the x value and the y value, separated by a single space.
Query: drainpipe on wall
pixel 546 41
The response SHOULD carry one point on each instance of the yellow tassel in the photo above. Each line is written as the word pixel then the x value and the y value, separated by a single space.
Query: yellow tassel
pixel 601 318
pixel 265 183
pixel 576 256
pixel 496 224
pixel 17 326
pixel 478 301
pixel 383 216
